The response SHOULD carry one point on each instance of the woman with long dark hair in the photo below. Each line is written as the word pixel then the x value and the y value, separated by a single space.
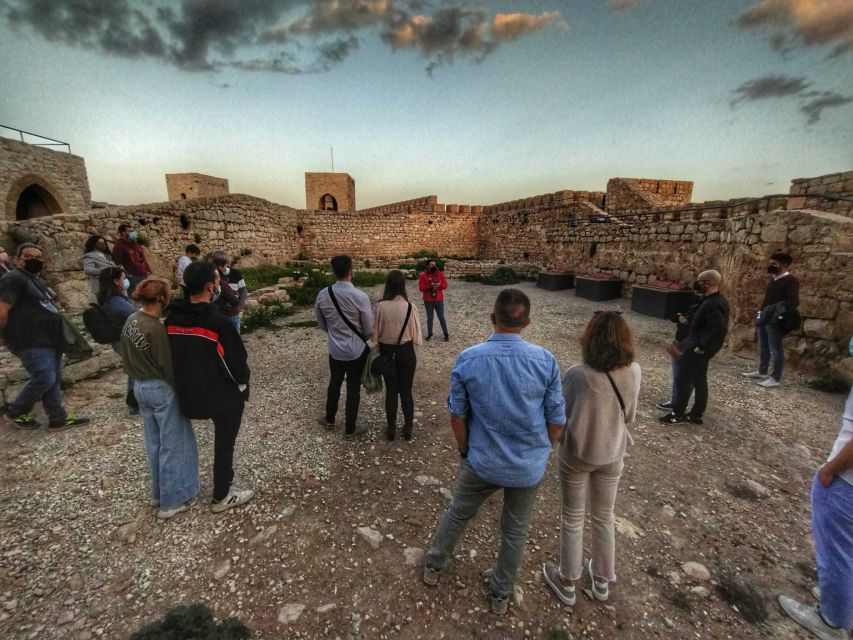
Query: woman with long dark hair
pixel 112 296
pixel 397 329
pixel 601 400
pixel 96 258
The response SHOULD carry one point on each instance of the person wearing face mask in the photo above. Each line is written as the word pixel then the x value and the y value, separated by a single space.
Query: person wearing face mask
pixel 777 316
pixel 682 321
pixel 432 284
pixel 705 338
pixel 5 263
pixel 234 292
pixel 96 257
pixel 128 253
pixel 211 374
pixel 117 307
pixel 31 326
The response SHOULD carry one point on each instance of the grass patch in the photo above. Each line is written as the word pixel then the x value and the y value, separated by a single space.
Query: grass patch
pixel 265 315
pixel 266 275
pixel 501 276
pixel 304 324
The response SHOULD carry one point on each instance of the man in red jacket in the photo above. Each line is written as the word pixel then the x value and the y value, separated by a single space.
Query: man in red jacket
pixel 432 284
pixel 128 253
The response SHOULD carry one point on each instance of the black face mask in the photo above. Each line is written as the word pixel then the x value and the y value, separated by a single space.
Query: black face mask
pixel 773 269
pixel 33 265
pixel 433 269
pixel 697 287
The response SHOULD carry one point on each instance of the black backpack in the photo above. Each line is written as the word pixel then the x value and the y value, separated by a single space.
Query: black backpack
pixel 98 323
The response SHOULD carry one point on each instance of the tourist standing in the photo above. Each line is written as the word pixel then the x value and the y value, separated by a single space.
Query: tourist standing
pixel 432 284
pixel 191 254
pixel 601 400
pixel 397 330
pixel 128 253
pixel 506 411
pixel 774 320
pixel 704 339
pixel 344 313
pixel 682 328
pixel 31 326
pixel 832 527
pixel 117 307
pixel 211 374
pixel 234 292
pixel 96 258
pixel 169 437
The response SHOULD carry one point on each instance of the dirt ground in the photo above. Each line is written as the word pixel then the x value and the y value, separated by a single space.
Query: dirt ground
pixel 83 556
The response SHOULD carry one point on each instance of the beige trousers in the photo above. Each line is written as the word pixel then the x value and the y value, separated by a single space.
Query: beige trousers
pixel 576 480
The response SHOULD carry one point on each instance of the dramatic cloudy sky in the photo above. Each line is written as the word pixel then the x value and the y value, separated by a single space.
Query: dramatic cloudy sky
pixel 477 101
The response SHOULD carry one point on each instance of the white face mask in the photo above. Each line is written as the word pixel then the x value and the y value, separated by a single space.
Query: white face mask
pixel 226 271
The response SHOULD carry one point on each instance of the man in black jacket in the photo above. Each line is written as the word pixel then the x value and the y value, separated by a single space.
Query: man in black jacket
pixel 211 374
pixel 705 338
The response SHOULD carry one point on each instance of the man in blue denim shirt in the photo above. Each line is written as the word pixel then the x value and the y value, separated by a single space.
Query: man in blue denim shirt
pixel 506 410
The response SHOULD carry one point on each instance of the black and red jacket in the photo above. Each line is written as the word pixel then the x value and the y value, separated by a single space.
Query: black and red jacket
pixel 209 358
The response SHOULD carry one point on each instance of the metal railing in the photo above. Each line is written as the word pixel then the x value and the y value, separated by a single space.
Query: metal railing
pixel 52 143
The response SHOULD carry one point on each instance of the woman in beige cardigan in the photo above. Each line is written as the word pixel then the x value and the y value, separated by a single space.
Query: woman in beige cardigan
pixel 397 329
pixel 601 399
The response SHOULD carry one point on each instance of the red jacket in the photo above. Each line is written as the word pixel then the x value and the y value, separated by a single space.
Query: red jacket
pixel 131 256
pixel 427 284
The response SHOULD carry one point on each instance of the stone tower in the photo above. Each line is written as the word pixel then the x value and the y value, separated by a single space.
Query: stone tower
pixel 186 186
pixel 329 191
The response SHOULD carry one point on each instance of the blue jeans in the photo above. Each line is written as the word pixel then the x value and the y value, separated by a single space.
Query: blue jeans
pixel 435 307
pixel 129 398
pixel 44 364
pixel 770 347
pixel 832 528
pixel 235 320
pixel 674 376
pixel 170 443
pixel 471 491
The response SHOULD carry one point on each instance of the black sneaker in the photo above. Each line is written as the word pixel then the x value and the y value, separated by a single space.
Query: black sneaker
pixel 664 406
pixel 694 420
pixel 428 338
pixel 24 422
pixel 671 418
pixel 446 338
pixel 70 421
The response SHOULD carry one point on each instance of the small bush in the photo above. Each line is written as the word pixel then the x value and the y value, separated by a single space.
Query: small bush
pixel 194 622
pixel 306 294
pixel 304 324
pixel 265 315
pixel 268 274
pixel 501 276
pixel 369 278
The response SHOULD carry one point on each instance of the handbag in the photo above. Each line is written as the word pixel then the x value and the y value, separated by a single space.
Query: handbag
pixel 74 343
pixel 674 351
pixel 371 382
pixel 383 365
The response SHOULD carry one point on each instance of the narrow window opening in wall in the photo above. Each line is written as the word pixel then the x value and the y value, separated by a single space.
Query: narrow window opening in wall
pixel 328 203
pixel 657 187
pixel 197 238
pixel 156 220
pixel 299 229
pixel 142 222
pixel 573 220
pixel 185 221
pixel 593 249
pixel 526 255
pixel 183 196
pixel 429 221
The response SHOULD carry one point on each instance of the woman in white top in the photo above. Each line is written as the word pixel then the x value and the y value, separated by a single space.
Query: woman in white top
pixel 397 328
pixel 601 400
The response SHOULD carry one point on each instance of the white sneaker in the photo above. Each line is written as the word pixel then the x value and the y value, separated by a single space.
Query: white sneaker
pixel 809 618
pixel 769 383
pixel 755 375
pixel 235 498
pixel 165 514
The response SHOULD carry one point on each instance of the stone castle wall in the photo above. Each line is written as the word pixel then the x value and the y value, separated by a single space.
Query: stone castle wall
pixel 62 175
pixel 340 186
pixel 839 185
pixel 641 194
pixel 187 186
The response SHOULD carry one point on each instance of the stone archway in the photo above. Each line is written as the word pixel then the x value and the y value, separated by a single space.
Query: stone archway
pixel 31 196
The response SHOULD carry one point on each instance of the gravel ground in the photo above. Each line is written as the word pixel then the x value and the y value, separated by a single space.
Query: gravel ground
pixel 83 556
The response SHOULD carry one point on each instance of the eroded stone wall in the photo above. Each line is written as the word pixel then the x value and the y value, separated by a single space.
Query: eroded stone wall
pixel 839 185
pixel 640 194
pixel 62 175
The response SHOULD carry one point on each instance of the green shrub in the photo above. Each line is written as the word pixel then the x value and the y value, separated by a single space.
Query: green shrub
pixel 266 275
pixel 369 278
pixel 264 315
pixel 304 324
pixel 501 276
pixel 193 622
pixel 306 294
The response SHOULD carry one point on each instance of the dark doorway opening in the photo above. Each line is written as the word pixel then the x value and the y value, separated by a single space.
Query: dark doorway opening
pixel 35 202
pixel 328 203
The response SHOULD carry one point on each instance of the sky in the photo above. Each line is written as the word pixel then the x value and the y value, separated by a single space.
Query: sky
pixel 475 102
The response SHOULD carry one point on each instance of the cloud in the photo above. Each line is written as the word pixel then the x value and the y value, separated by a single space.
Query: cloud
pixel 769 87
pixel 814 108
pixel 276 36
pixel 618 6
pixel 509 26
pixel 791 23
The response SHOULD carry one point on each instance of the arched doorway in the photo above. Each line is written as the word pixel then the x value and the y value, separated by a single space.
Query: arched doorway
pixel 328 203
pixel 35 201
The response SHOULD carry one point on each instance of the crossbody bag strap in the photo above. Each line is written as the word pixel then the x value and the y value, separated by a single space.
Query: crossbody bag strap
pixel 405 322
pixel 618 395
pixel 343 317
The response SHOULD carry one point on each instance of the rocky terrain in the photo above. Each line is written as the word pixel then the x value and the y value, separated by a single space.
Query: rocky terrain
pixel 713 520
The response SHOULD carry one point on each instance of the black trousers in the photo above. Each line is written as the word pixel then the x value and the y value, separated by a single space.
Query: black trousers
pixel 225 427
pixel 351 370
pixel 398 383
pixel 692 377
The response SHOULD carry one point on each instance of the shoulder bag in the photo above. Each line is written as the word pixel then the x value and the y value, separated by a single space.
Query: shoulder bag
pixel 384 364
pixel 371 382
